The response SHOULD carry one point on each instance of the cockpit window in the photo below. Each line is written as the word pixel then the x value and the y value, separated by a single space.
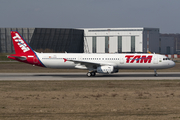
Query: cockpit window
pixel 166 59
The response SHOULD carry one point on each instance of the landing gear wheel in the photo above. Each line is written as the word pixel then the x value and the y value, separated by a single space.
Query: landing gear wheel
pixel 155 73
pixel 93 73
pixel 89 74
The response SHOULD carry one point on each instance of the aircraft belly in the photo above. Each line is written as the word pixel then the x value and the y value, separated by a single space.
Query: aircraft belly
pixel 144 66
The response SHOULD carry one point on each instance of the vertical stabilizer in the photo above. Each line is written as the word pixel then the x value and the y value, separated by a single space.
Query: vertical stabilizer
pixel 24 53
pixel 20 45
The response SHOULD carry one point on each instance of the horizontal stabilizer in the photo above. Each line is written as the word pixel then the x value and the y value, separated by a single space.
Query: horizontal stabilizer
pixel 18 57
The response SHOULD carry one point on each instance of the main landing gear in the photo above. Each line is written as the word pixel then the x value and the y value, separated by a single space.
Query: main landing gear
pixel 155 73
pixel 89 74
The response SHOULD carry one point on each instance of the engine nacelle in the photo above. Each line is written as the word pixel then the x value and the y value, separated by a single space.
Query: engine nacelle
pixel 105 69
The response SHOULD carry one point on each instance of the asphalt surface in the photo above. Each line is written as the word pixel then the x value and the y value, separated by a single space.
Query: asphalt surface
pixel 82 76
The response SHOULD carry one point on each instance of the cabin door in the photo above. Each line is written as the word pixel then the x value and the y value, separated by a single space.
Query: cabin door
pixel 155 59
pixel 121 60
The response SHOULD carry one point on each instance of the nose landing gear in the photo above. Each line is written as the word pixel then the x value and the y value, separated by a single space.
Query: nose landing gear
pixel 155 73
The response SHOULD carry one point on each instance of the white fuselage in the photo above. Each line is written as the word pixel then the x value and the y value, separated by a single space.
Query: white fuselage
pixel 118 61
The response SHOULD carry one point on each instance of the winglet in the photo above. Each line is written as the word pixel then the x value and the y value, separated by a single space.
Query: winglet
pixel 65 59
pixel 149 52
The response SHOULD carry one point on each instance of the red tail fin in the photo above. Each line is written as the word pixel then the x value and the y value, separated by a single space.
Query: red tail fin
pixel 24 53
pixel 20 45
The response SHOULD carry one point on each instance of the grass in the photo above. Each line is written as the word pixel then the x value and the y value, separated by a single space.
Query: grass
pixel 3 57
pixel 95 100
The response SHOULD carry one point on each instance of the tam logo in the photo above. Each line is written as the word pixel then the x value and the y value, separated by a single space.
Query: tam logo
pixel 138 58
pixel 21 43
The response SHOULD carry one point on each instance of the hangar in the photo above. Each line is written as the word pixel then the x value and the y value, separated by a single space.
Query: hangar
pixel 118 40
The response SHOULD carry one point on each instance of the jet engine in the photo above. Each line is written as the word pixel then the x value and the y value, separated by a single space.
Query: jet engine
pixel 106 69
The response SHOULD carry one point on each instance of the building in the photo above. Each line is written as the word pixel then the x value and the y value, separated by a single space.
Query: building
pixel 45 39
pixel 6 44
pixel 166 45
pixel 93 40
pixel 167 41
pixel 118 40
pixel 58 40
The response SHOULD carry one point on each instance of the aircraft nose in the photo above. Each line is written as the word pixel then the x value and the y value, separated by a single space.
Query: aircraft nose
pixel 172 64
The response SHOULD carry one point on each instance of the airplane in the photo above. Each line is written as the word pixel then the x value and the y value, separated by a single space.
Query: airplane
pixel 94 62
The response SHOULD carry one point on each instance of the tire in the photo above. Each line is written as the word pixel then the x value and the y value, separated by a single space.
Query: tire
pixel 93 74
pixel 89 74
pixel 156 75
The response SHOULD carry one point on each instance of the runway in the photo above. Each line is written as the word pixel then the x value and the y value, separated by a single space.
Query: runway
pixel 82 76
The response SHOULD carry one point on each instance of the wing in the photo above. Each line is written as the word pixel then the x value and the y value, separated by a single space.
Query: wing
pixel 87 64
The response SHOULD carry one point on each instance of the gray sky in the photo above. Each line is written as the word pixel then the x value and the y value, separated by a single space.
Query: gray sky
pixel 163 14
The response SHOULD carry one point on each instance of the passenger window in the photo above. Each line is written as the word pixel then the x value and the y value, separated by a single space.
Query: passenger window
pixel 166 59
